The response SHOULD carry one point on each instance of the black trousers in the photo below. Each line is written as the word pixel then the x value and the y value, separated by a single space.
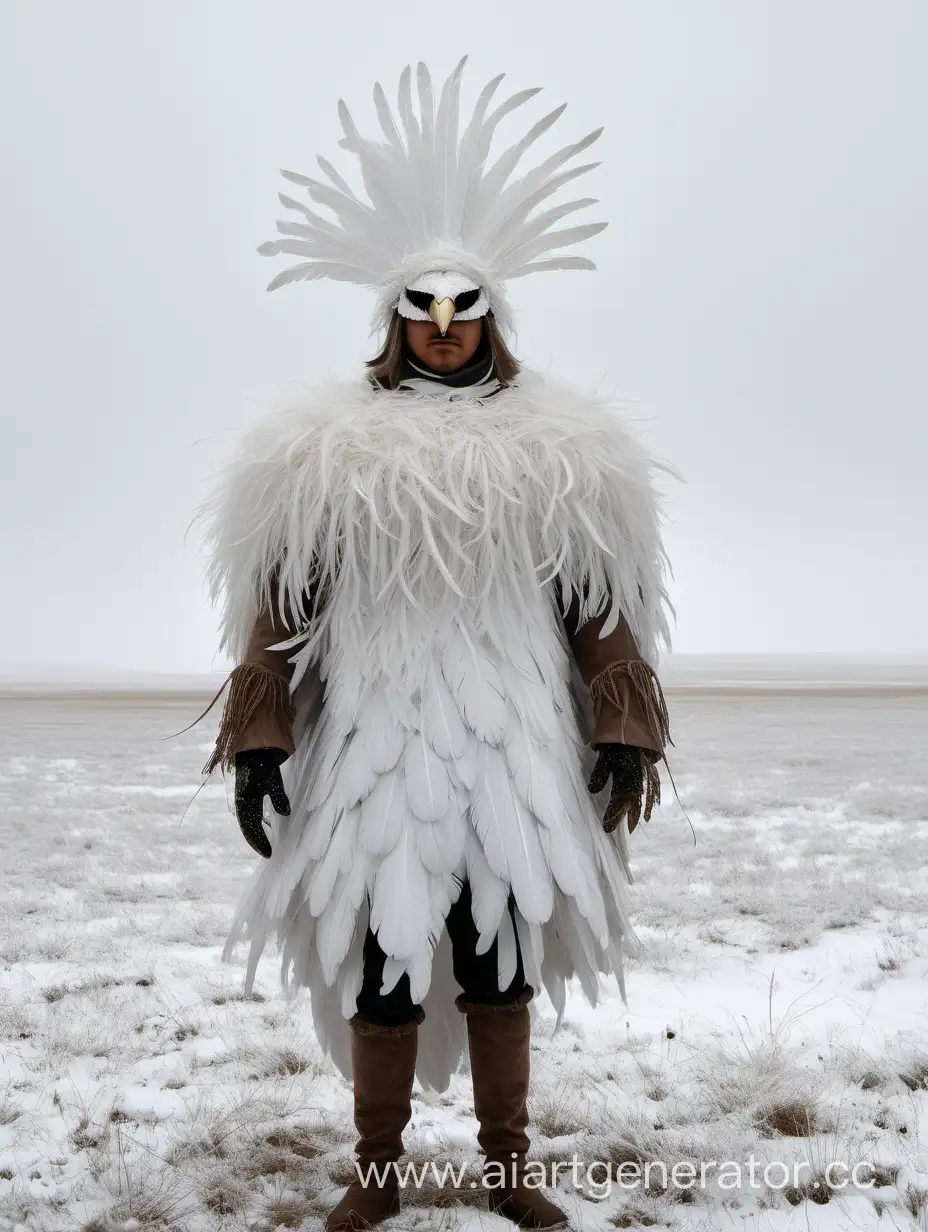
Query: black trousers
pixel 476 973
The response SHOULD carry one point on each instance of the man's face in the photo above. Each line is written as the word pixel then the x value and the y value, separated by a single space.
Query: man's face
pixel 448 353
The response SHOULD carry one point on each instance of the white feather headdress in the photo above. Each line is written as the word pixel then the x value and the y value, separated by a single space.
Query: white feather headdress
pixel 435 200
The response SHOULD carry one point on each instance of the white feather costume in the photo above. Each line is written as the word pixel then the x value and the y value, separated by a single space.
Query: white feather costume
pixel 451 739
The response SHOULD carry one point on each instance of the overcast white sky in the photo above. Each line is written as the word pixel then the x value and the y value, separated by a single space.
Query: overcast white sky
pixel 761 291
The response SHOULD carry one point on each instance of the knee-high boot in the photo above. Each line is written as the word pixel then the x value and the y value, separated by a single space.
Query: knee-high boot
pixel 498 1038
pixel 383 1063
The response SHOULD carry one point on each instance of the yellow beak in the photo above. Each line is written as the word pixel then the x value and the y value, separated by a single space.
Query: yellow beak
pixel 442 311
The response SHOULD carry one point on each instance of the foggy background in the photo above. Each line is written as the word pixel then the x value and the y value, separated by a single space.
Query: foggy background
pixel 760 297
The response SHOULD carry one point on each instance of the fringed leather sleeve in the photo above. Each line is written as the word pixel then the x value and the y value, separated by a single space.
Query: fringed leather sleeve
pixel 629 706
pixel 258 714
pixel 258 711
pixel 628 702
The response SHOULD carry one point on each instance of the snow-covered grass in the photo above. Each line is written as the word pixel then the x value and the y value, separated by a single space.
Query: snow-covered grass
pixel 777 1007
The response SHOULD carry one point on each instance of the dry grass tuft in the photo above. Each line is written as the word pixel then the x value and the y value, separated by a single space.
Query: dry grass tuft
pixel 861 1067
pixel 266 1161
pixel 9 1112
pixel 623 1150
pixel 341 1170
pixel 214 1143
pixel 117 1221
pixel 633 1217
pixel 17 1021
pixel 288 1211
pixel 915 1072
pixel 227 998
pixel 889 1118
pixel 184 1031
pixel 894 955
pixel 86 1136
pixel 792 1118
pixel 57 992
pixel 814 1189
pixel 762 1083
pixel 298 1140
pixel 556 1112
pixel 147 1197
pixel 225 1194
pixel 871 1081
pixel 915 1201
pixel 288 1063
pixel 281 1062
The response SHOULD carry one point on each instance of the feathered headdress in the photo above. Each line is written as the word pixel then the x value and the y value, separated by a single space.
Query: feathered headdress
pixel 441 221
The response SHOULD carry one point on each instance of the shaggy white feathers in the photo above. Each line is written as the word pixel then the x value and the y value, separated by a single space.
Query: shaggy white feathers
pixel 435 200
pixel 448 744
pixel 400 506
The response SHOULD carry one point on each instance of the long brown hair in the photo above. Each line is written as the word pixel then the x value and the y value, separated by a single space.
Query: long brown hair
pixel 385 368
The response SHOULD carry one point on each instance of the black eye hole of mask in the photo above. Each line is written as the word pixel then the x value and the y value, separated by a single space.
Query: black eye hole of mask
pixel 466 300
pixel 419 299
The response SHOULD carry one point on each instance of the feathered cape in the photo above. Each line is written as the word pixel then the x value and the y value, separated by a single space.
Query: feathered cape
pixel 452 740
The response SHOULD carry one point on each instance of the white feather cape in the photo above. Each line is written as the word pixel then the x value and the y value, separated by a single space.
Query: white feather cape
pixel 452 736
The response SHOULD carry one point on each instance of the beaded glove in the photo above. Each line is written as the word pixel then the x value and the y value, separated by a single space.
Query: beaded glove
pixel 635 784
pixel 257 774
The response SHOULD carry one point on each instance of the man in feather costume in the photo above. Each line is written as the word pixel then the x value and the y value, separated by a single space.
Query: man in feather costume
pixel 443 587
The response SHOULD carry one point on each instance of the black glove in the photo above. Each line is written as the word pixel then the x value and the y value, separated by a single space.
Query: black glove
pixel 625 763
pixel 257 774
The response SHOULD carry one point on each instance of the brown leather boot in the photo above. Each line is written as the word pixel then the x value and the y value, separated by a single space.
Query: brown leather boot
pixel 498 1038
pixel 383 1061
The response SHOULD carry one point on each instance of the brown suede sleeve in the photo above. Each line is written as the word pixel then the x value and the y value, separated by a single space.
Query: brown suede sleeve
pixel 270 724
pixel 628 703
pixel 258 712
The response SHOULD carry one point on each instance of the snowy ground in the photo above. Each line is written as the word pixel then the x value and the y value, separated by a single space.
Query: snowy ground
pixel 778 1009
